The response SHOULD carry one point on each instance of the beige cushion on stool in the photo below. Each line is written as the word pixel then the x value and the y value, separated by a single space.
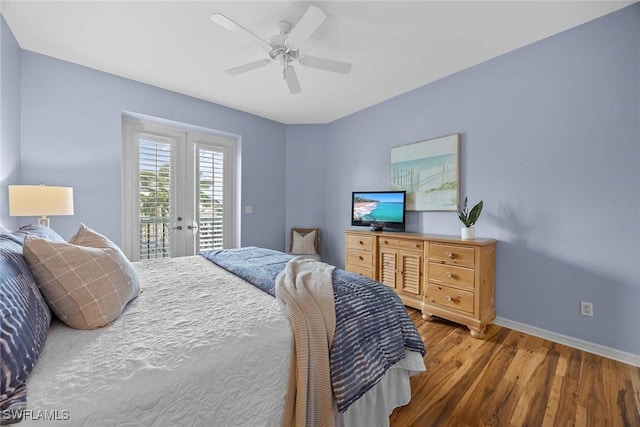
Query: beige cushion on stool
pixel 305 242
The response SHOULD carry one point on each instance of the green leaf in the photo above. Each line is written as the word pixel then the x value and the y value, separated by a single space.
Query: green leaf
pixel 469 218
pixel 475 213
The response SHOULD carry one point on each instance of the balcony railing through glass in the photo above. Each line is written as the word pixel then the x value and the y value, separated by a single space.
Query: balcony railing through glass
pixel 155 237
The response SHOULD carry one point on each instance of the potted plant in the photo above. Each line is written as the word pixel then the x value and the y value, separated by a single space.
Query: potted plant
pixel 469 218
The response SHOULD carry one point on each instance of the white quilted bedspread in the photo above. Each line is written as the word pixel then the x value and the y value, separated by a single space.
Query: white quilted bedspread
pixel 193 349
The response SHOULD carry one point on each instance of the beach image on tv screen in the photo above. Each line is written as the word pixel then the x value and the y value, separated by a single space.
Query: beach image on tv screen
pixel 378 207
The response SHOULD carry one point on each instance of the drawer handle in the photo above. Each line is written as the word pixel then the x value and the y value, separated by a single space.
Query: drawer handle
pixel 360 258
pixel 417 245
pixel 360 242
pixel 449 254
pixel 450 299
pixel 449 275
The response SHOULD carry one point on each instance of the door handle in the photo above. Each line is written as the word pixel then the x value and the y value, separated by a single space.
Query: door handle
pixel 193 227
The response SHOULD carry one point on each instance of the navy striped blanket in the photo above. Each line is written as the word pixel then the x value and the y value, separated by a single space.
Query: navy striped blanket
pixel 372 326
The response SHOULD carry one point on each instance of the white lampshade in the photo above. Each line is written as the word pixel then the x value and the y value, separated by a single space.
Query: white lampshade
pixel 40 200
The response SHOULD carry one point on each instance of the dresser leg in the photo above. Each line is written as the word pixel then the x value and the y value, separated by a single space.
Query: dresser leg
pixel 427 316
pixel 477 333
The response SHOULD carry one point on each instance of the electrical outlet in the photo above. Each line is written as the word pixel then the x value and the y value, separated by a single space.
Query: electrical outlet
pixel 586 308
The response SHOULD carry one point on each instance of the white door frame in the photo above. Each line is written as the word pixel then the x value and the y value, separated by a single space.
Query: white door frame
pixel 185 144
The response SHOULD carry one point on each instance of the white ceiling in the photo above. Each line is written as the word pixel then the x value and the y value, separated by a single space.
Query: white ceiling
pixel 394 46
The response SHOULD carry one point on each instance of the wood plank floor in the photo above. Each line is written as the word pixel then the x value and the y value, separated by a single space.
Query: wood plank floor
pixel 510 378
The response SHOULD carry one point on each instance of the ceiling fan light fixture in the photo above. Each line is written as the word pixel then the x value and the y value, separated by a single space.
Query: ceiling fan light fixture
pixel 283 59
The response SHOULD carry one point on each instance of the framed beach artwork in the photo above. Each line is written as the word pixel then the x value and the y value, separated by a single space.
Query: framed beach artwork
pixel 429 171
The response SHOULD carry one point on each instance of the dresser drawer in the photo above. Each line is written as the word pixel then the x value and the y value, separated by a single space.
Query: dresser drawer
pixel 360 258
pixel 364 243
pixel 452 254
pixel 417 245
pixel 450 297
pixel 451 275
pixel 366 272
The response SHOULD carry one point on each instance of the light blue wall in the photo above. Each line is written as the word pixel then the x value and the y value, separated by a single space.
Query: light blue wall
pixel 9 120
pixel 71 135
pixel 551 143
pixel 306 168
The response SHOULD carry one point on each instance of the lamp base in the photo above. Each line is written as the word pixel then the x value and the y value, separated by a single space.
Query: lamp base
pixel 43 221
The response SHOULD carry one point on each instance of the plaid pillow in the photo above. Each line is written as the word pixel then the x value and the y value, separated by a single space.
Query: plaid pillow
pixel 87 282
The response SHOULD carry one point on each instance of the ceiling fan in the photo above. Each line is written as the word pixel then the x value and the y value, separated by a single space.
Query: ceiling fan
pixel 284 48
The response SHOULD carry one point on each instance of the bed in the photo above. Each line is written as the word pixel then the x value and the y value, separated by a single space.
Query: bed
pixel 198 346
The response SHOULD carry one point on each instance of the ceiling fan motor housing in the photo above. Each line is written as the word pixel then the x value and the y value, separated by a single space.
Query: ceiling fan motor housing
pixel 283 27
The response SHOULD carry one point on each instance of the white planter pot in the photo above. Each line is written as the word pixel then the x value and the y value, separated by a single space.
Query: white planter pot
pixel 468 233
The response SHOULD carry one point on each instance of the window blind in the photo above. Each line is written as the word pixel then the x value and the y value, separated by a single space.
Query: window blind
pixel 210 199
pixel 155 198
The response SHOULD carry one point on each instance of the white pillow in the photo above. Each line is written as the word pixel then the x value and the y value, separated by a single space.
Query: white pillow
pixel 304 244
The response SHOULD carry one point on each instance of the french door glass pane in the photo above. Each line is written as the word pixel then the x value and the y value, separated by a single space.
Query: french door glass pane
pixel 210 199
pixel 154 198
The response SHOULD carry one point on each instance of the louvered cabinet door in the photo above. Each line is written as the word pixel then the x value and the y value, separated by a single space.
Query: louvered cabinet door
pixel 388 267
pixel 407 257
pixel 410 274
pixel 401 270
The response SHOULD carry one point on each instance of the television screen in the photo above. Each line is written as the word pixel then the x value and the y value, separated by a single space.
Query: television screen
pixel 382 208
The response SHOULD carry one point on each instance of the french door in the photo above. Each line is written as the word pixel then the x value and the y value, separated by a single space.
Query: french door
pixel 178 192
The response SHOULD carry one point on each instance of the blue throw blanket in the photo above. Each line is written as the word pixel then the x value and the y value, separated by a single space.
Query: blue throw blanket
pixel 372 326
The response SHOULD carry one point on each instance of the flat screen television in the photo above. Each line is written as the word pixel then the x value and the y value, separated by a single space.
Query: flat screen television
pixel 379 210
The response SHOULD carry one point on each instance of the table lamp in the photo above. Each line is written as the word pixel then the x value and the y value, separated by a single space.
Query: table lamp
pixel 40 200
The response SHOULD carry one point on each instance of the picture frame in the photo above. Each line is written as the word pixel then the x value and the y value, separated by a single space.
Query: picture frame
pixel 429 171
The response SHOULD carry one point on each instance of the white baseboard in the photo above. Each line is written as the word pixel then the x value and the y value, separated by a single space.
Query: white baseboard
pixel 600 350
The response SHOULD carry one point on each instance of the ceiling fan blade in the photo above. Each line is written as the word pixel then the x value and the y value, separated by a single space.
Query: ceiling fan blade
pixel 309 22
pixel 292 79
pixel 240 31
pixel 248 67
pixel 325 64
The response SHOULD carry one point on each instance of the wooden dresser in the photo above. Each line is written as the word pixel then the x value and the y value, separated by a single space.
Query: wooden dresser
pixel 443 276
